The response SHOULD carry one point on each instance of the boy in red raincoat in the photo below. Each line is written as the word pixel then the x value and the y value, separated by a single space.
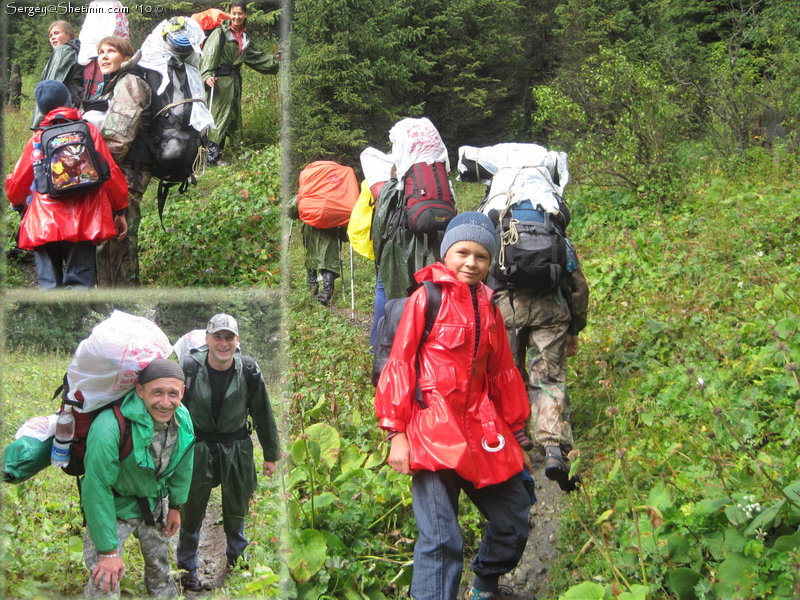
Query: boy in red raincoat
pixel 466 431
pixel 63 232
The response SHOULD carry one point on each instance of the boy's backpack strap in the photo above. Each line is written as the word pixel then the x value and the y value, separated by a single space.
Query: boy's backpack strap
pixel 434 293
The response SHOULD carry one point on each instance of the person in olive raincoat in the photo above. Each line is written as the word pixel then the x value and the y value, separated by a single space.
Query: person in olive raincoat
pixel 224 52
pixel 223 389
pixel 62 65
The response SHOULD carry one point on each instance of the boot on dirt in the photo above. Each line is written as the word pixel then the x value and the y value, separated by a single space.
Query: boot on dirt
pixel 313 283
pixel 328 277
pixel 556 468
pixel 190 582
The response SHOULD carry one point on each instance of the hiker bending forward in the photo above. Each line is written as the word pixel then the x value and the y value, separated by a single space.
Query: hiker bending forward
pixel 123 497
pixel 460 434
pixel 225 389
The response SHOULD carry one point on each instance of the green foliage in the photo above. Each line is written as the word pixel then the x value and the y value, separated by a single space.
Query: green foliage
pixel 686 399
pixel 358 67
pixel 224 232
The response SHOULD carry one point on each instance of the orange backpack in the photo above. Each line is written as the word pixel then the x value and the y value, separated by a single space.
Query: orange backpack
pixel 327 194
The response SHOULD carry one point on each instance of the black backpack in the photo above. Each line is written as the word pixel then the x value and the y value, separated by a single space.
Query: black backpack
pixel 70 164
pixel 387 326
pixel 176 148
pixel 533 249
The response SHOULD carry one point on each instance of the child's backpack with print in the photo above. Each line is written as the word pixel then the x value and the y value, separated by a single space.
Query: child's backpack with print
pixel 69 163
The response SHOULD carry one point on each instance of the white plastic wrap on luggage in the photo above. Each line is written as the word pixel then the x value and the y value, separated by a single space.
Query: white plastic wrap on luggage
pixel 512 185
pixel 156 55
pixel 103 18
pixel 188 342
pixel 107 364
pixel 500 156
pixel 415 141
pixel 39 428
pixel 376 165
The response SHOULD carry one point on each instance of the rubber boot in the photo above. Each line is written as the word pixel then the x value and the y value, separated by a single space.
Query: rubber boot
pixel 328 277
pixel 313 283
pixel 556 468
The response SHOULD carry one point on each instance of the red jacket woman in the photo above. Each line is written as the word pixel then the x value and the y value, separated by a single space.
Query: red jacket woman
pixel 87 216
pixel 471 397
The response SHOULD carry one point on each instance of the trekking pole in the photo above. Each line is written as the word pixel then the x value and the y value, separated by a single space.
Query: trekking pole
pixel 211 99
pixel 352 288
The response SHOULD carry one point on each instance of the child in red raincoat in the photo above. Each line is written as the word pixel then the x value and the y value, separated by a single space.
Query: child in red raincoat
pixel 465 432
pixel 63 232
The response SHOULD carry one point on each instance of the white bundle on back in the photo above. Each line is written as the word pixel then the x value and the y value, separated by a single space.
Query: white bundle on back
pixel 107 364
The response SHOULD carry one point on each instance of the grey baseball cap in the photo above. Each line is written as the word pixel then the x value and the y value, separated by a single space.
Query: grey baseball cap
pixel 220 322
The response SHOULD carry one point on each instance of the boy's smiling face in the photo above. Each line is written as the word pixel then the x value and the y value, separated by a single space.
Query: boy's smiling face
pixel 468 260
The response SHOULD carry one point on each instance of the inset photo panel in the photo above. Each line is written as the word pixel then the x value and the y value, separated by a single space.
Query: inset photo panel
pixel 127 417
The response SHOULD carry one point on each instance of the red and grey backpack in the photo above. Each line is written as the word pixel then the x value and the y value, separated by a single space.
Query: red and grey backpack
pixel 429 201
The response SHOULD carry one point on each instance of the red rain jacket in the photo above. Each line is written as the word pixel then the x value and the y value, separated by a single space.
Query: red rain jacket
pixel 468 401
pixel 87 216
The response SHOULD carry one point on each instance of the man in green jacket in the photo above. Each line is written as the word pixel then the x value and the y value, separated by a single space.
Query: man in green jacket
pixel 120 497
pixel 224 388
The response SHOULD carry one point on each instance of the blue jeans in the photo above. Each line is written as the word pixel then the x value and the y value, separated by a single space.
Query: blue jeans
pixel 380 302
pixel 66 264
pixel 438 553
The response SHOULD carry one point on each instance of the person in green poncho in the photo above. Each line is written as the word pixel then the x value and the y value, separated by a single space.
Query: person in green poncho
pixel 63 64
pixel 224 52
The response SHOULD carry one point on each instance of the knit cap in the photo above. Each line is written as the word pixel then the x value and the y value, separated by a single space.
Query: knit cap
pixel 470 227
pixel 51 94
pixel 161 367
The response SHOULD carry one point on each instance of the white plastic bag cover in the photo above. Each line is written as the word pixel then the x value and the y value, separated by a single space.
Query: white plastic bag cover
pixel 156 55
pixel 415 141
pixel 39 428
pixel 376 165
pixel 499 156
pixel 512 185
pixel 188 342
pixel 103 18
pixel 107 364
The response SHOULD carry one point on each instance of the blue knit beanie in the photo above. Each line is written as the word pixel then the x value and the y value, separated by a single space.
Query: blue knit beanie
pixel 471 227
pixel 51 94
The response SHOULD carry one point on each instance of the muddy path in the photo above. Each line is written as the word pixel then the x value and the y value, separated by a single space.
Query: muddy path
pixel 213 568
pixel 531 579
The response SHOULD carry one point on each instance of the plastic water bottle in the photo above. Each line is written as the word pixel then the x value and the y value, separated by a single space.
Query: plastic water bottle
pixel 39 170
pixel 65 431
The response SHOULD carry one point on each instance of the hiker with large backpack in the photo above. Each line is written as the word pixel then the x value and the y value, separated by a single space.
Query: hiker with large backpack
pixel 63 64
pixel 123 125
pixel 225 50
pixel 542 292
pixel 326 195
pixel 79 195
pixel 124 496
pixel 454 407
pixel 224 391
pixel 413 207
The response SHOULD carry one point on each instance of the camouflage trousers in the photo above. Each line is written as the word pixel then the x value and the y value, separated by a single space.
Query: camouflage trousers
pixel 154 546
pixel 118 262
pixel 537 329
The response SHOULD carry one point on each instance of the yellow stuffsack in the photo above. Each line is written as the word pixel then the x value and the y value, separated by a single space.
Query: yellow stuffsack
pixel 360 225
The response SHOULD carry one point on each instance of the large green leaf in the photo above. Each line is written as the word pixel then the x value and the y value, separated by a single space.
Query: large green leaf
pixel 584 591
pixel 735 577
pixel 329 443
pixel 681 582
pixel 305 553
